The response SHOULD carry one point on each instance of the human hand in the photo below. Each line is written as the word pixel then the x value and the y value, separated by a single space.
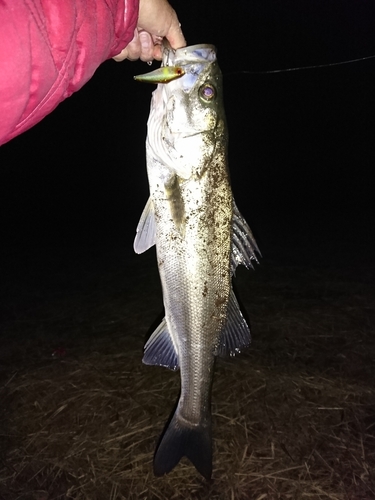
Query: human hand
pixel 157 19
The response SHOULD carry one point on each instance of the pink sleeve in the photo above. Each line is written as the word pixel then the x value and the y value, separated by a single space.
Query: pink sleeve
pixel 50 49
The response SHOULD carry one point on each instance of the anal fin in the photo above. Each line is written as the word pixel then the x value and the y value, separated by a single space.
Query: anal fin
pixel 236 333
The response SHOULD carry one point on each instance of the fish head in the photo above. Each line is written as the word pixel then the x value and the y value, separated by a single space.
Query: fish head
pixel 187 120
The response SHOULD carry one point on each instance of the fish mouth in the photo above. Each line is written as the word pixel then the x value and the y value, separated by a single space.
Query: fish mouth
pixel 187 55
pixel 167 72
pixel 174 60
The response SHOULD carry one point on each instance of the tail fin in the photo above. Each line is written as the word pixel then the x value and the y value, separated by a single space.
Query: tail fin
pixel 179 440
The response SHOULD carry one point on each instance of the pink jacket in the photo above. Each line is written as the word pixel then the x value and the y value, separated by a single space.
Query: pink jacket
pixel 50 49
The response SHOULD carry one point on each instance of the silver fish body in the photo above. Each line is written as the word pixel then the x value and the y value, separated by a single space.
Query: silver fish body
pixel 200 238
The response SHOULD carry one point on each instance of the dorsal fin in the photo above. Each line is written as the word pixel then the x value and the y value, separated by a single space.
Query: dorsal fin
pixel 243 242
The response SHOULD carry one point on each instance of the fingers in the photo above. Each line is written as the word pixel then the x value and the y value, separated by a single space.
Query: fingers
pixel 131 51
pixel 157 19
pixel 174 35
pixel 147 46
pixel 134 47
pixel 121 56
pixel 141 47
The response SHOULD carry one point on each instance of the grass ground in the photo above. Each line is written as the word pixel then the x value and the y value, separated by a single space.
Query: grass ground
pixel 294 417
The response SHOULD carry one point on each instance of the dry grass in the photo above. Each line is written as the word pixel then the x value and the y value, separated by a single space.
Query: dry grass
pixel 294 418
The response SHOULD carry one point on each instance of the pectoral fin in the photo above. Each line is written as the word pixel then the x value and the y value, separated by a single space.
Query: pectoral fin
pixel 236 333
pixel 243 243
pixel 160 349
pixel 146 229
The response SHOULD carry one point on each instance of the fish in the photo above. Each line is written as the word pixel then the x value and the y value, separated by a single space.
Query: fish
pixel 200 237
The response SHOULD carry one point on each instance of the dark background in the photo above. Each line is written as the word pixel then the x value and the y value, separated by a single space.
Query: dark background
pixel 301 142
pixel 72 190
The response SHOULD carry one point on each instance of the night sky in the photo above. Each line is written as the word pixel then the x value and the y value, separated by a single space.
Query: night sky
pixel 302 143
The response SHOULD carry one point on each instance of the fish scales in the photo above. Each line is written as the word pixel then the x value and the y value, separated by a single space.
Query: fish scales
pixel 200 238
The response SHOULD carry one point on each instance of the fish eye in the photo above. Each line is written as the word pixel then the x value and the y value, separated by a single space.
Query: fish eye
pixel 207 92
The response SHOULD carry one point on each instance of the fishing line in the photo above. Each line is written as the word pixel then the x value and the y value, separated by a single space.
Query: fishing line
pixel 284 70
